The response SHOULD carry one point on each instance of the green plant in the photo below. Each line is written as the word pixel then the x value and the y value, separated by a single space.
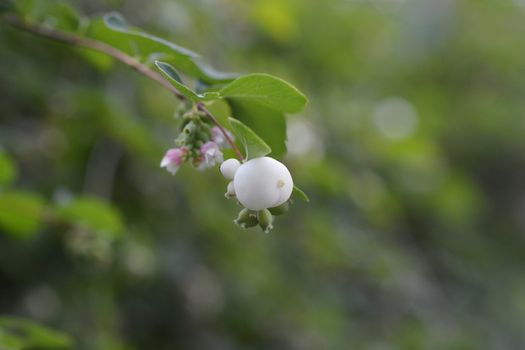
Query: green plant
pixel 202 135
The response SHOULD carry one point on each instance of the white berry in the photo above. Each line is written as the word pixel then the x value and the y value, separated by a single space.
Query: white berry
pixel 229 167
pixel 262 183
pixel 230 190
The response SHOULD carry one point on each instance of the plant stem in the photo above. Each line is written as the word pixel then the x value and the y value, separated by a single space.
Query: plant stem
pixel 205 110
pixel 76 40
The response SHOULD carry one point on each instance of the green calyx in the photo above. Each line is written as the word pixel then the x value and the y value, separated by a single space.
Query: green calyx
pixel 281 209
pixel 246 218
pixel 265 220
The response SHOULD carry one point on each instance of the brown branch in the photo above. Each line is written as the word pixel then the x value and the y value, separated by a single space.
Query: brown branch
pixel 96 45
pixel 76 40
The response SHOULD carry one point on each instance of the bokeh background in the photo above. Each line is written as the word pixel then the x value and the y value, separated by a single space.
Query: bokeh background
pixel 411 149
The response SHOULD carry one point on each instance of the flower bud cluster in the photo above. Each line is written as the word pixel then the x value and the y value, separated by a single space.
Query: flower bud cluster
pixel 263 186
pixel 198 143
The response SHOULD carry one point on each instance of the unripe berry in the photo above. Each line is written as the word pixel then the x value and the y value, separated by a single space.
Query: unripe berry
pixel 262 183
pixel 229 167
pixel 265 219
pixel 247 218
pixel 230 190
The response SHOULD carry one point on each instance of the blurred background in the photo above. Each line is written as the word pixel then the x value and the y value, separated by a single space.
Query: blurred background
pixel 411 149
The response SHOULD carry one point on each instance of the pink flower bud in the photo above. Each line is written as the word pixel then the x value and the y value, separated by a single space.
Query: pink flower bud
pixel 173 159
pixel 218 137
pixel 211 154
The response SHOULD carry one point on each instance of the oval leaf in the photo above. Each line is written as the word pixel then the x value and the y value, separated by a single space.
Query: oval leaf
pixel 267 90
pixel 116 21
pixel 114 30
pixel 30 335
pixel 174 78
pixel 300 193
pixel 268 123
pixel 254 146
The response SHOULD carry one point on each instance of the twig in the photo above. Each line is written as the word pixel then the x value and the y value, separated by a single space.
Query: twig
pixel 76 40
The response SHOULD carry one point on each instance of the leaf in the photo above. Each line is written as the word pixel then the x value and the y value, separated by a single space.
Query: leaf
pixel 24 334
pixel 300 193
pixel 114 30
pixel 268 123
pixel 8 170
pixel 94 213
pixel 116 21
pixel 55 14
pixel 268 90
pixel 169 72
pixel 21 213
pixel 254 146
pixel 173 76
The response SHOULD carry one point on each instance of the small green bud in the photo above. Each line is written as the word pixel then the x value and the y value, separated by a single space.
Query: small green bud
pixel 281 209
pixel 189 128
pixel 265 220
pixel 181 110
pixel 247 218
pixel 202 136
pixel 230 191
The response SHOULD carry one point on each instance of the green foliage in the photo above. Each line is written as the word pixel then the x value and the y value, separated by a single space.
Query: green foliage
pixel 257 99
pixel 114 30
pixel 412 147
pixel 300 193
pixel 21 213
pixel 175 79
pixel 94 214
pixel 55 13
pixel 270 124
pixel 20 334
pixel 254 146
pixel 8 169
pixel 267 90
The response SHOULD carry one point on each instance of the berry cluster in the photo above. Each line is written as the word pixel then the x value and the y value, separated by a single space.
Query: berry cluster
pixel 263 186
pixel 198 143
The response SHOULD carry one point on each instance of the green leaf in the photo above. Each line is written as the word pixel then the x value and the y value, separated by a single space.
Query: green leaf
pixel 254 146
pixel 268 123
pixel 16 333
pixel 114 30
pixel 94 213
pixel 173 76
pixel 116 22
pixel 21 213
pixel 300 193
pixel 268 90
pixel 54 13
pixel 171 73
pixel 8 170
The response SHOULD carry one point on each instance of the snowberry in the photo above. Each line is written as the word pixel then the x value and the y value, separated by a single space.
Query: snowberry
pixel 230 190
pixel 262 183
pixel 229 167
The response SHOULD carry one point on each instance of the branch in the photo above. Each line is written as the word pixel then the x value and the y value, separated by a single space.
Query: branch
pixel 76 40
